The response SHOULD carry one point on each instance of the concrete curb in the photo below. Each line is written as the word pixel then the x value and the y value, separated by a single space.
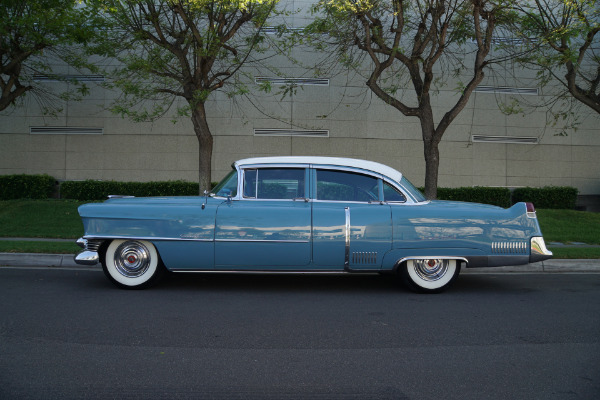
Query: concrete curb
pixel 40 260
pixel 550 266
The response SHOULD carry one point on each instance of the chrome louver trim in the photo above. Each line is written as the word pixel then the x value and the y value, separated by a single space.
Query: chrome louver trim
pixel 364 257
pixel 509 247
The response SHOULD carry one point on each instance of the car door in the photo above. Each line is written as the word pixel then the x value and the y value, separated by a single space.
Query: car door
pixel 269 225
pixel 352 227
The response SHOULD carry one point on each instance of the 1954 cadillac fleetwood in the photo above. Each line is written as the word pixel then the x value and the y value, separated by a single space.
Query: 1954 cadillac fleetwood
pixel 307 214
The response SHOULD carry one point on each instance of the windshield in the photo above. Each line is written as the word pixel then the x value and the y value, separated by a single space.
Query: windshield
pixel 227 187
pixel 412 190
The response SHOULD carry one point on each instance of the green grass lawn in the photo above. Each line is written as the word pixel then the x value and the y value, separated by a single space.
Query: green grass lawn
pixel 567 226
pixel 574 252
pixel 39 247
pixel 40 218
pixel 59 219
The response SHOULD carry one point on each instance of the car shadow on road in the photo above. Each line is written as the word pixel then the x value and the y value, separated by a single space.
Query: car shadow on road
pixel 281 282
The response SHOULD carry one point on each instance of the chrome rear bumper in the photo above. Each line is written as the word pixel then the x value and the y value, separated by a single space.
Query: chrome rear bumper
pixel 539 252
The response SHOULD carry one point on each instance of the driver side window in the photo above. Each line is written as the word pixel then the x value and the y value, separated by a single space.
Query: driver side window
pixel 346 186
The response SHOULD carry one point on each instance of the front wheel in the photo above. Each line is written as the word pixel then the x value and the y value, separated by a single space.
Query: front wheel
pixel 132 264
pixel 429 275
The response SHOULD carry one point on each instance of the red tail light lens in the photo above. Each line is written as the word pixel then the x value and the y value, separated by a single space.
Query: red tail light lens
pixel 530 210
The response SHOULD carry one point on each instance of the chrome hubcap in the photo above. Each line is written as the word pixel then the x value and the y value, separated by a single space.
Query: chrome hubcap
pixel 431 270
pixel 132 259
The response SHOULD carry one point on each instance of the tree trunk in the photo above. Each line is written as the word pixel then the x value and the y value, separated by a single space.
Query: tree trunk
pixel 432 164
pixel 205 146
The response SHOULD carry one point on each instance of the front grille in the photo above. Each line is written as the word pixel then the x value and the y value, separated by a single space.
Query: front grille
pixel 93 244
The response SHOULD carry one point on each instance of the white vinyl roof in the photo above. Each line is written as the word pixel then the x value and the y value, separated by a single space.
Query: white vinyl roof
pixel 334 161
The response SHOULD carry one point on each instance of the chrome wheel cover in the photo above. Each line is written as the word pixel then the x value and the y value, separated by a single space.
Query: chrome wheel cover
pixel 132 259
pixel 431 270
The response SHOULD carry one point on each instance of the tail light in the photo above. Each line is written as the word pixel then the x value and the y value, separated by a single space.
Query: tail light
pixel 530 210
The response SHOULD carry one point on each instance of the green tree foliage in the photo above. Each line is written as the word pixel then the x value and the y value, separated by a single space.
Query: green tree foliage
pixel 413 46
pixel 31 34
pixel 188 49
pixel 561 43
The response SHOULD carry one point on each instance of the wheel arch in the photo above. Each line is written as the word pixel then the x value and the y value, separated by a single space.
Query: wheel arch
pixel 402 260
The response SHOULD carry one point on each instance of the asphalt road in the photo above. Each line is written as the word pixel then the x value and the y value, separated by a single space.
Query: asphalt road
pixel 70 334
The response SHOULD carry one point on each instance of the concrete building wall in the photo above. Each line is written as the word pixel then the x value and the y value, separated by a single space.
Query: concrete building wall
pixel 359 125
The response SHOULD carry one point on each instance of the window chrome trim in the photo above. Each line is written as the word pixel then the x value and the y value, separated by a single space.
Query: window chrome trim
pixel 347 247
pixel 242 175
pixel 148 238
pixel 313 167
pixel 262 240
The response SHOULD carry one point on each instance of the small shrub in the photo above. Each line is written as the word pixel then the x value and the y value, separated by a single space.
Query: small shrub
pixel 478 194
pixel 26 187
pixel 100 190
pixel 557 197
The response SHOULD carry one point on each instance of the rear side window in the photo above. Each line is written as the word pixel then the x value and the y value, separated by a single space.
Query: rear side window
pixel 346 186
pixel 390 193
pixel 274 183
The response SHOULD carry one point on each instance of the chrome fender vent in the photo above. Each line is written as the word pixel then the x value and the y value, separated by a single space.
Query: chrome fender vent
pixel 364 257
pixel 509 247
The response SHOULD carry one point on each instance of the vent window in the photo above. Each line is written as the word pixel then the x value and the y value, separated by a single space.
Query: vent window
pixel 64 130
pixel 504 139
pixel 61 78
pixel 291 132
pixel 274 30
pixel 293 81
pixel 507 90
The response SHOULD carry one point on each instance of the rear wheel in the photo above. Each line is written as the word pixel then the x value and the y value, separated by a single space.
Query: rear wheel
pixel 429 275
pixel 132 264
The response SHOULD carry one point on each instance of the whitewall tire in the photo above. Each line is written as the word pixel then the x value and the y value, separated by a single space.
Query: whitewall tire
pixel 132 264
pixel 429 275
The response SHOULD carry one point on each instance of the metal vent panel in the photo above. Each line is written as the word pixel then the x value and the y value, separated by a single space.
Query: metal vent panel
pixel 504 139
pixel 293 81
pixel 291 132
pixel 64 130
pixel 364 257
pixel 60 78
pixel 507 90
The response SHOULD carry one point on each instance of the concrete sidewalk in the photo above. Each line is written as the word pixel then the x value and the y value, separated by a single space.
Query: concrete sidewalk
pixel 549 266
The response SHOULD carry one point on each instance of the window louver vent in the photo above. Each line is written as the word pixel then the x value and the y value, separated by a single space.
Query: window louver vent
pixel 64 130
pixel 273 30
pixel 293 81
pixel 291 132
pixel 59 78
pixel 505 139
pixel 507 90
pixel 508 40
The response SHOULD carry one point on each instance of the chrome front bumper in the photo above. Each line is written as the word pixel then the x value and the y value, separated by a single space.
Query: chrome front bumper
pixel 88 256
pixel 539 252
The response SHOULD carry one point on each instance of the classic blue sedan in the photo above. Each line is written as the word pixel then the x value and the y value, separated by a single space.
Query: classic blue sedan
pixel 307 214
